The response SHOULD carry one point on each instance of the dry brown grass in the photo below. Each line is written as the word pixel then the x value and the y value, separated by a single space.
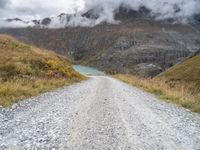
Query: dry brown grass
pixel 27 71
pixel 182 93
pixel 15 90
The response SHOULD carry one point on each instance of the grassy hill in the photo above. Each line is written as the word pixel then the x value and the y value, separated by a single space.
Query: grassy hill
pixel 179 84
pixel 27 71
pixel 187 73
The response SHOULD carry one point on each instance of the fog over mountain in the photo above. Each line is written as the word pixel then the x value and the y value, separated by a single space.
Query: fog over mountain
pixel 18 13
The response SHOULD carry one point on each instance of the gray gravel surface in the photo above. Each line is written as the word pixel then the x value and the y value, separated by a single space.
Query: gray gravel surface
pixel 99 114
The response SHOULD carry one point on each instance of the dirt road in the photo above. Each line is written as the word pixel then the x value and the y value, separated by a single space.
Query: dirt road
pixel 99 114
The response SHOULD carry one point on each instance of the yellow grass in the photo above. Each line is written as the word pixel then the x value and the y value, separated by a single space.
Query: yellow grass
pixel 27 71
pixel 181 93
pixel 15 90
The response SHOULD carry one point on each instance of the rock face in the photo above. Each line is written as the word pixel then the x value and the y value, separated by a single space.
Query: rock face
pixel 93 13
pixel 197 18
pixel 14 19
pixel 123 43
pixel 46 21
pixel 124 13
pixel 135 45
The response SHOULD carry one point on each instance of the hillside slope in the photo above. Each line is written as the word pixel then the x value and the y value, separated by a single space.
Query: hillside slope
pixel 27 71
pixel 179 84
pixel 187 72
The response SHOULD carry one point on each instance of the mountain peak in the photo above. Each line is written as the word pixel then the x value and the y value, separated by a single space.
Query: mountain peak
pixel 14 19
pixel 97 15
pixel 125 13
pixel 93 13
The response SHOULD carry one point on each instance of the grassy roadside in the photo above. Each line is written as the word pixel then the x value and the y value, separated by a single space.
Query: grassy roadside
pixel 181 94
pixel 15 90
pixel 27 71
pixel 179 84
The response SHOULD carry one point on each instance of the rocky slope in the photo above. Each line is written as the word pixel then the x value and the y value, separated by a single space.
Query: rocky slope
pixel 138 44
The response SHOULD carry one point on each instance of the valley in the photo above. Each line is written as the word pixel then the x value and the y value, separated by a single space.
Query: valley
pixel 137 46
pixel 100 75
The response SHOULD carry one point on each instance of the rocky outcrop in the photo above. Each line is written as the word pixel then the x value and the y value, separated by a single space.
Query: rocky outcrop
pixel 124 13
pixel 46 21
pixel 146 62
pixel 14 19
pixel 123 43
pixel 147 70
pixel 93 13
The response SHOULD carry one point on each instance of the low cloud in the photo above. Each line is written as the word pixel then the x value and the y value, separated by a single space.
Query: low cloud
pixel 179 10
pixel 3 3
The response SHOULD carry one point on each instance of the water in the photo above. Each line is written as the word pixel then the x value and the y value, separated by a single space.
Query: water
pixel 87 70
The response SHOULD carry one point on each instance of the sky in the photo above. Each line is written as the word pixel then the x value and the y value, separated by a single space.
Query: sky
pixel 28 9
pixel 37 9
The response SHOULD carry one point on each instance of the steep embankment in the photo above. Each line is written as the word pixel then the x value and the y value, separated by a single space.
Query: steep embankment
pixel 180 84
pixel 27 71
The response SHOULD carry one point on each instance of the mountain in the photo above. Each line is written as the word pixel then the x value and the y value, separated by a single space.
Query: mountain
pixel 14 19
pixel 27 71
pixel 123 13
pixel 93 13
pixel 137 44
pixel 97 15
pixel 61 20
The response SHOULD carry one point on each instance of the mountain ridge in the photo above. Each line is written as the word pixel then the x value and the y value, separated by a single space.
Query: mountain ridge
pixel 92 17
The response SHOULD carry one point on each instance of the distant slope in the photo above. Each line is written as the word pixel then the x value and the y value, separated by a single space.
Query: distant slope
pixel 187 72
pixel 27 71
pixel 179 84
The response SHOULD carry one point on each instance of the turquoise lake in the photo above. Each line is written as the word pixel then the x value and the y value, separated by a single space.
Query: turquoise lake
pixel 87 70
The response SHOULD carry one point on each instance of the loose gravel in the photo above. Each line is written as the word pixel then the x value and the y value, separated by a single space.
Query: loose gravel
pixel 99 114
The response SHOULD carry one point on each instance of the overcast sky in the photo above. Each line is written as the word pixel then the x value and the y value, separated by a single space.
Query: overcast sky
pixel 27 9
pixel 37 9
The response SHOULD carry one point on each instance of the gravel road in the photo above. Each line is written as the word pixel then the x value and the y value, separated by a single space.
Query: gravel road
pixel 99 114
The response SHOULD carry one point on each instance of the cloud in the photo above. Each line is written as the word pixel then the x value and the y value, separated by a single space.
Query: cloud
pixel 38 8
pixel 163 9
pixel 182 11
pixel 16 24
pixel 3 3
pixel 179 10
